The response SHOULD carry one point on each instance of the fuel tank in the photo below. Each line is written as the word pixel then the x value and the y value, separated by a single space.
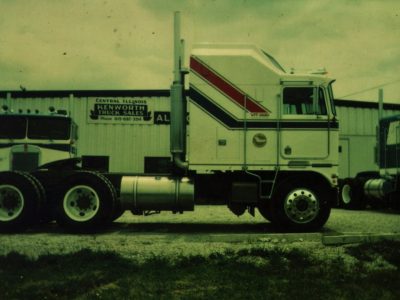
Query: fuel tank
pixel 157 193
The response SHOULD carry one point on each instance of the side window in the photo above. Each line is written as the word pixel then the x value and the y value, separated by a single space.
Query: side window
pixel 297 101
pixel 300 101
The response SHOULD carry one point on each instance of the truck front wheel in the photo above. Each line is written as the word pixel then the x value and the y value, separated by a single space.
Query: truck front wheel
pixel 300 206
pixel 86 202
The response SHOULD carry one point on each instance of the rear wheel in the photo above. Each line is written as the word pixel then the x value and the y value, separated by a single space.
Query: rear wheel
pixel 20 200
pixel 86 202
pixel 118 211
pixel 351 194
pixel 45 214
pixel 300 206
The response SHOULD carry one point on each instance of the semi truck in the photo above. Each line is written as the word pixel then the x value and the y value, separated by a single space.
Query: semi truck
pixel 31 138
pixel 258 137
pixel 382 188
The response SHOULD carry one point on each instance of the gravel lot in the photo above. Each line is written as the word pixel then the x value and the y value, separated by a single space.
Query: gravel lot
pixel 209 229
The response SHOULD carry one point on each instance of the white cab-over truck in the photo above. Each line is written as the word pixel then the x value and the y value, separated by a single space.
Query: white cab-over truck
pixel 28 140
pixel 258 137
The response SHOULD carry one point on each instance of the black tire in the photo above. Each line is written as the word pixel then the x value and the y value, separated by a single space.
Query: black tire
pixel 86 202
pixel 45 214
pixel 351 194
pixel 394 201
pixel 20 201
pixel 300 205
pixel 118 211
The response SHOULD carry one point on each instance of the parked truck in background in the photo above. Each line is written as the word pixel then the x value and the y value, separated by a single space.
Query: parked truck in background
pixel 377 189
pixel 29 139
pixel 258 137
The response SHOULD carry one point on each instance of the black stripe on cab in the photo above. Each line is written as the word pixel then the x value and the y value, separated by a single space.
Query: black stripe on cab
pixel 230 122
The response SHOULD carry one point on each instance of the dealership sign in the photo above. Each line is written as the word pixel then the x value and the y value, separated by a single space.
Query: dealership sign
pixel 120 111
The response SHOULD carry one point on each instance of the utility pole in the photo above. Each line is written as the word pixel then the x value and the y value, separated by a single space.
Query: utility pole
pixel 380 104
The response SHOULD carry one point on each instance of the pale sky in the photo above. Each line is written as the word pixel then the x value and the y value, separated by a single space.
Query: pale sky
pixel 122 44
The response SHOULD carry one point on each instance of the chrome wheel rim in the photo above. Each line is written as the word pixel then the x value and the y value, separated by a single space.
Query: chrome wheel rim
pixel 11 203
pixel 301 206
pixel 346 194
pixel 81 203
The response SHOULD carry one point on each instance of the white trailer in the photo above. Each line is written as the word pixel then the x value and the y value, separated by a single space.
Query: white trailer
pixel 258 137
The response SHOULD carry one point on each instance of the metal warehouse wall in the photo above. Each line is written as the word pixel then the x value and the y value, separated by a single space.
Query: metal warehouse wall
pixel 358 121
pixel 125 144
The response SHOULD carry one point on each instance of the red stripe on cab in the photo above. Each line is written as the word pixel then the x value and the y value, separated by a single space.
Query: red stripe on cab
pixel 232 92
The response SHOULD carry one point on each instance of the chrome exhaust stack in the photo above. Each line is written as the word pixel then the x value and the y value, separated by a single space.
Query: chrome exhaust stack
pixel 146 193
pixel 178 112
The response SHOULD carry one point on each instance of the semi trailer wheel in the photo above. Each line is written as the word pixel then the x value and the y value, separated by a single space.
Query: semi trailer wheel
pixel 86 202
pixel 351 194
pixel 20 200
pixel 300 206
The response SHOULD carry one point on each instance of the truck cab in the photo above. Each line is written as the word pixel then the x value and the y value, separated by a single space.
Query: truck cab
pixel 261 135
pixel 389 146
pixel 246 111
pixel 30 140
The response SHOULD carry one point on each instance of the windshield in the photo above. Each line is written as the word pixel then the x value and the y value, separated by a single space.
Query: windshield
pixel 49 128
pixel 331 99
pixel 12 127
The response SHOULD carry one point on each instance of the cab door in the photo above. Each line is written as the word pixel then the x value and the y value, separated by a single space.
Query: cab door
pixel 304 124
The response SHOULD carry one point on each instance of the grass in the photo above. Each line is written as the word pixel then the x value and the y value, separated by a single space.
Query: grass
pixel 368 271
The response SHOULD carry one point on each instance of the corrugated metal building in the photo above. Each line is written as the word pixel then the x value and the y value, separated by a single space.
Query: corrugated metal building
pixel 126 138
pixel 140 127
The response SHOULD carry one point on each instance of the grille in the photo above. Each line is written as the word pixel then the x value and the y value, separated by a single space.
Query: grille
pixel 25 161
